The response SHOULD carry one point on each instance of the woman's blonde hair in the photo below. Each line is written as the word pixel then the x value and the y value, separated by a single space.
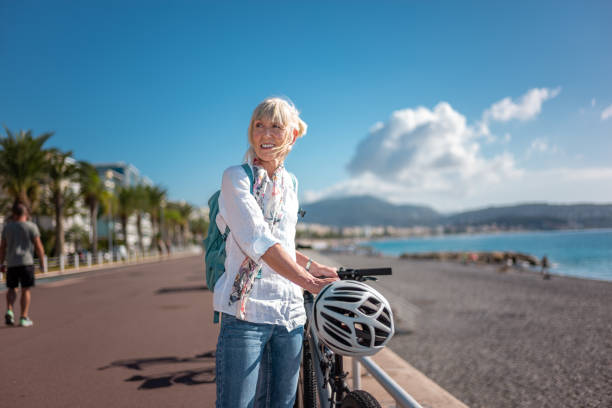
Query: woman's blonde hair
pixel 280 111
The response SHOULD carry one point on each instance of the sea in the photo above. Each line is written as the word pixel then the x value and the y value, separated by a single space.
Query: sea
pixel 577 253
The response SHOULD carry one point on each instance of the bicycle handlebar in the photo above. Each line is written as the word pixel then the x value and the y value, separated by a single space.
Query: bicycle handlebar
pixel 362 274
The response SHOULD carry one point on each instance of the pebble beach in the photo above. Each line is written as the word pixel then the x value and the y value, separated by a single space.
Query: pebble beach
pixel 497 338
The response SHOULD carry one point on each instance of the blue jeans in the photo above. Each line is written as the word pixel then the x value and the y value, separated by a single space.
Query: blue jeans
pixel 257 365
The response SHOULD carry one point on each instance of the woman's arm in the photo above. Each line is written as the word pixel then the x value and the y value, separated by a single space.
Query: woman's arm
pixel 316 269
pixel 279 260
pixel 240 211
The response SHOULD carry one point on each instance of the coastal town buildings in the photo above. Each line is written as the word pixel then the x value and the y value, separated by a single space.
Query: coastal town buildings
pixel 116 175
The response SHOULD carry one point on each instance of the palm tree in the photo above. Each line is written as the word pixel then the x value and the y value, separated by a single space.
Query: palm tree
pixel 140 201
pixel 62 170
pixel 156 196
pixel 199 228
pixel 109 203
pixel 181 218
pixel 173 221
pixel 125 208
pixel 92 191
pixel 22 165
pixel 185 209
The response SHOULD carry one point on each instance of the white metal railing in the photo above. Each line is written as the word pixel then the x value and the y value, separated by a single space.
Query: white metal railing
pixel 401 397
pixel 74 262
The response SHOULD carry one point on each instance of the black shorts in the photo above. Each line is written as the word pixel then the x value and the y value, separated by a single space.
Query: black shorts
pixel 23 275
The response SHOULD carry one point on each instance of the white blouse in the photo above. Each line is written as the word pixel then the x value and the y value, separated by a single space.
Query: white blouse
pixel 274 299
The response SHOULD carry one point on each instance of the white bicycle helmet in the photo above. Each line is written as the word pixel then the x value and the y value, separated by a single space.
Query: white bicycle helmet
pixel 352 319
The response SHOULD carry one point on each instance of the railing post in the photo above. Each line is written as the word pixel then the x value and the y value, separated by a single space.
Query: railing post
pixel 100 258
pixel 76 261
pixel 61 261
pixel 46 268
pixel 89 259
pixel 401 397
pixel 356 374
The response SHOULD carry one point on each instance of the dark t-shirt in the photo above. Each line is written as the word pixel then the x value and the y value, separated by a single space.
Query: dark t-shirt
pixel 19 237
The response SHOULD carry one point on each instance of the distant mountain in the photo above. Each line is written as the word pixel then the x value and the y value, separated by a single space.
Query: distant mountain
pixel 368 210
pixel 538 216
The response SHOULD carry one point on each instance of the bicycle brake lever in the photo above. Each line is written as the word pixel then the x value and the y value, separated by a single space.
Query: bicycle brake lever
pixel 372 278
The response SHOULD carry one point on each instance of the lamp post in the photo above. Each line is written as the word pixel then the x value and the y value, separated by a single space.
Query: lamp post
pixel 162 234
pixel 110 185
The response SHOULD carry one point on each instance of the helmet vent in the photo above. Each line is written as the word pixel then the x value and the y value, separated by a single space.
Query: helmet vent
pixel 336 337
pixel 364 337
pixel 337 323
pixel 340 310
pixel 349 299
pixel 370 306
pixel 352 289
pixel 380 336
pixel 385 317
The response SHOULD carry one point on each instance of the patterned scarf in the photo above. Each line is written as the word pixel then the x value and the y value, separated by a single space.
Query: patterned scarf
pixel 269 194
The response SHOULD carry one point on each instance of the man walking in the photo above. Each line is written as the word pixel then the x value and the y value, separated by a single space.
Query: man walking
pixel 19 239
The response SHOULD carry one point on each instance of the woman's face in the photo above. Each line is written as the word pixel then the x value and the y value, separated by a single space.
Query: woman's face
pixel 267 138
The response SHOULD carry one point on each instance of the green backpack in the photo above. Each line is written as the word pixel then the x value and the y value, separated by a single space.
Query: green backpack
pixel 214 244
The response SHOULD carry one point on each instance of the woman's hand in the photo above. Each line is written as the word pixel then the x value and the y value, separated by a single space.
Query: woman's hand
pixel 316 285
pixel 317 269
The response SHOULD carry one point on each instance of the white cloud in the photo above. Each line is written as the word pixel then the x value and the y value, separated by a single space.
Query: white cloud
pixel 419 155
pixel 541 145
pixel 607 113
pixel 529 106
pixel 433 150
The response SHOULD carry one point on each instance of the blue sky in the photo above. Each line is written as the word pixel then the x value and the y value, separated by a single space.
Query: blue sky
pixel 451 104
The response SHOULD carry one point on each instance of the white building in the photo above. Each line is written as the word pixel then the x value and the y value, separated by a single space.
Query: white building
pixel 114 176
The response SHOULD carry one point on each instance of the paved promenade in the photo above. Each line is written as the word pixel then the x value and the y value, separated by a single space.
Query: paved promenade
pixel 133 336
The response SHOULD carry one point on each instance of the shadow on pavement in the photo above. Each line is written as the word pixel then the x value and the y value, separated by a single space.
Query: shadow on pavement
pixel 163 291
pixel 203 375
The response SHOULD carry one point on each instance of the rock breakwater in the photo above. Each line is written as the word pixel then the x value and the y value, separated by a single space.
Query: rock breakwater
pixel 506 258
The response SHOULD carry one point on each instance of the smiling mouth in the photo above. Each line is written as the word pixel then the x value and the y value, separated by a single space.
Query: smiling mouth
pixel 267 146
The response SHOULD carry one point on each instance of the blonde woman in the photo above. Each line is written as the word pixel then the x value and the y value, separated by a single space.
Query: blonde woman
pixel 260 294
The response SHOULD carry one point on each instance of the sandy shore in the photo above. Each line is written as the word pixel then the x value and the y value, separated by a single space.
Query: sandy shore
pixel 501 339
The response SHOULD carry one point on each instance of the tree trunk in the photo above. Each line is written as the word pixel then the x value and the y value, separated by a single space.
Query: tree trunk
pixel 93 214
pixel 124 221
pixel 59 223
pixel 155 228
pixel 139 229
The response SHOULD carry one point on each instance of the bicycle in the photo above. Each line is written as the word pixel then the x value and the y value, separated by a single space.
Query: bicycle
pixel 322 370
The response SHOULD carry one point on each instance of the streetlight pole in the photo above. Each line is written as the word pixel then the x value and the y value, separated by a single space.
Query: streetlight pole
pixel 162 234
pixel 111 186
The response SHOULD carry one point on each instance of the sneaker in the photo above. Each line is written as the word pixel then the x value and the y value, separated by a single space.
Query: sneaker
pixel 26 322
pixel 9 318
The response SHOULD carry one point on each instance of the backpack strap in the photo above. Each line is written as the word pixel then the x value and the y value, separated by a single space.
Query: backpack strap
pixel 301 211
pixel 249 173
